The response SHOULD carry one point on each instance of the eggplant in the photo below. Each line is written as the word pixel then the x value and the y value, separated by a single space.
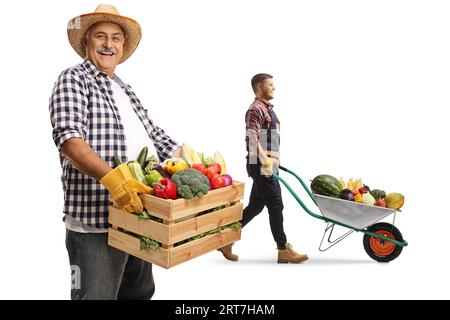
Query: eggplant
pixel 152 163
pixel 160 169
pixel 347 194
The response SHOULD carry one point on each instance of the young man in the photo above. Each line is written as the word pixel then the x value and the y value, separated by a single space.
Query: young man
pixel 96 116
pixel 263 154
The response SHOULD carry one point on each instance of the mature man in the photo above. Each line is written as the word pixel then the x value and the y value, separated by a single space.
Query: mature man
pixel 262 140
pixel 96 116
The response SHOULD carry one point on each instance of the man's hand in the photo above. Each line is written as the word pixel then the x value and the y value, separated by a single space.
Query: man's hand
pixel 124 189
pixel 267 168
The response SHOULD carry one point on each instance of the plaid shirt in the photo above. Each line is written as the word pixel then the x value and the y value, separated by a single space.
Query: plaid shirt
pixel 262 126
pixel 82 105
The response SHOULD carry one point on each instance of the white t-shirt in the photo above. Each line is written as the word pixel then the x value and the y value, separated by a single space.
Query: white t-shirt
pixel 135 133
pixel 136 137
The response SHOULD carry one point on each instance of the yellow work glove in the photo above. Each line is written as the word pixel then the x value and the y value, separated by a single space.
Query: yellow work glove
pixel 124 189
pixel 267 168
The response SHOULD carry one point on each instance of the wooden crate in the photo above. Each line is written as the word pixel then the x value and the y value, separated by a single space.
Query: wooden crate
pixel 180 222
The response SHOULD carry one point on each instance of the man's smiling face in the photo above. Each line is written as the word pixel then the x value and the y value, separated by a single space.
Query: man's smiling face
pixel 104 43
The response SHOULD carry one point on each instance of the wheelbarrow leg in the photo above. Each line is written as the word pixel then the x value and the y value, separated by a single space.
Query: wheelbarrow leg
pixel 329 229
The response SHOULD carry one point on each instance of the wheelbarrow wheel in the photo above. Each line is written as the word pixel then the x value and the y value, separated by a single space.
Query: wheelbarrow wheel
pixel 381 250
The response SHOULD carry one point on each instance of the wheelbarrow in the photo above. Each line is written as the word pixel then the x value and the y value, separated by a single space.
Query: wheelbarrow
pixel 382 241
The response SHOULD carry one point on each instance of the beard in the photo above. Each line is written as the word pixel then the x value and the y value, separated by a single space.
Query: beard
pixel 268 96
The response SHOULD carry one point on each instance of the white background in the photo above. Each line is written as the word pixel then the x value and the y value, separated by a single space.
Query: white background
pixel 362 91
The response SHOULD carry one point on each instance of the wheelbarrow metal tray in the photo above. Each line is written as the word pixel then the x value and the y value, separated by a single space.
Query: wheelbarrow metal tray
pixel 353 214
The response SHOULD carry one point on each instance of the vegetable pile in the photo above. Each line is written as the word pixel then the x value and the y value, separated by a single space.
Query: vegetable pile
pixel 355 190
pixel 188 177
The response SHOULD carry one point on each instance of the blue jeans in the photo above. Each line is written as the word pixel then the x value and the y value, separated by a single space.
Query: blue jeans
pixel 100 272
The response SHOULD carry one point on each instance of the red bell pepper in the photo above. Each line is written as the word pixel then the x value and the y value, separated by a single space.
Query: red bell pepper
pixel 165 189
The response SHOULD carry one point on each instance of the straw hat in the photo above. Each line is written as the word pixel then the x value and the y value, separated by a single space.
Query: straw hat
pixel 77 27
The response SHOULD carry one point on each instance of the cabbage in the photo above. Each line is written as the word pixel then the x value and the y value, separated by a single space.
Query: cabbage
pixel 367 198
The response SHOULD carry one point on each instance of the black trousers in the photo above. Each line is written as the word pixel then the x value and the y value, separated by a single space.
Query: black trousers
pixel 266 192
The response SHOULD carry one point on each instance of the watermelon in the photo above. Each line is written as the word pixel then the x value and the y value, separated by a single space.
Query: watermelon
pixel 326 185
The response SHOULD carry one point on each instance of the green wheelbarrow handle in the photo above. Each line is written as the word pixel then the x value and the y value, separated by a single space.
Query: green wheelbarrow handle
pixel 295 194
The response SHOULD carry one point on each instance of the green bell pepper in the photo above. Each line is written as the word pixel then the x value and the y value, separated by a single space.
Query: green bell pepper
pixel 153 177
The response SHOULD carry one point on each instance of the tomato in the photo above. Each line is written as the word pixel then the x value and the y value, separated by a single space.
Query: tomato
pixel 200 167
pixel 217 166
pixel 210 172
pixel 217 181
pixel 380 203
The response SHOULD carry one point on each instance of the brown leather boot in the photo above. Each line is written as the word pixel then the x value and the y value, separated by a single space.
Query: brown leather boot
pixel 227 253
pixel 289 255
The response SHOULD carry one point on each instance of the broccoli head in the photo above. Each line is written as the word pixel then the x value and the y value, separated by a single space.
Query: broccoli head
pixel 190 183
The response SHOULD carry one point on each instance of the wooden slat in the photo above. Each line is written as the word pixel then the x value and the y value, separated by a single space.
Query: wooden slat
pixel 131 245
pixel 201 246
pixel 194 226
pixel 148 228
pixel 176 209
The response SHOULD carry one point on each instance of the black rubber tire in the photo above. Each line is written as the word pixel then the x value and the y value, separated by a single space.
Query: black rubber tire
pixel 386 227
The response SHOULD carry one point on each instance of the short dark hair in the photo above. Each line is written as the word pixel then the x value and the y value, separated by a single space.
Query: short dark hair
pixel 257 79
